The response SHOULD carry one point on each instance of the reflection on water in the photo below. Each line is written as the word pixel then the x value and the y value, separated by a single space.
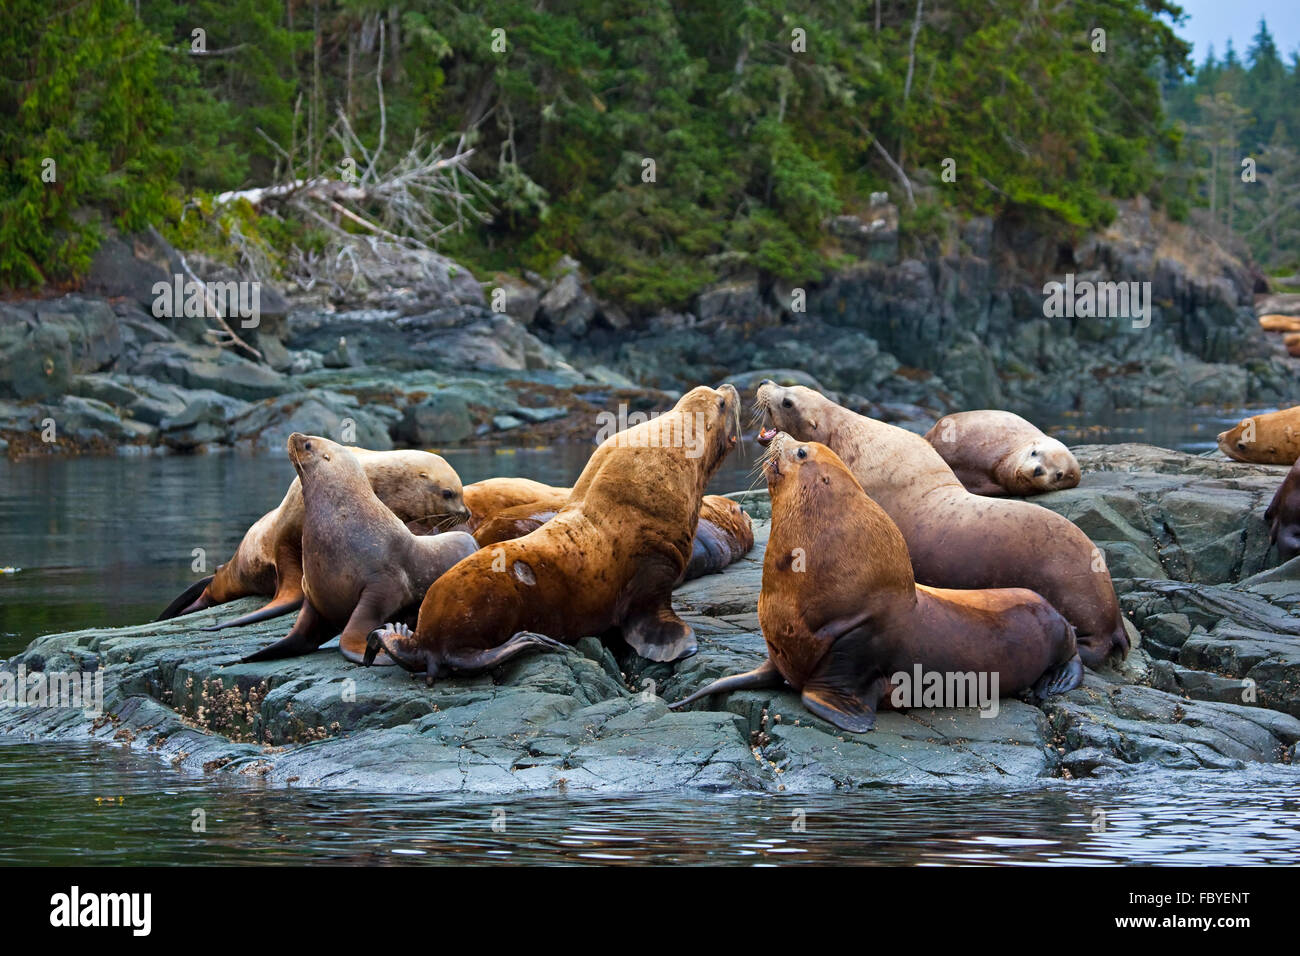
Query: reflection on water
pixel 1186 818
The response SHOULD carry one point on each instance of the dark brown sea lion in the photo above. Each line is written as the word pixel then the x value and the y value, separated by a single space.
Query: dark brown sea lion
pixel 956 539
pixel 844 619
pixel 610 558
pixel 1271 438
pixel 420 488
pixel 361 565
pixel 998 453
pixel 1283 515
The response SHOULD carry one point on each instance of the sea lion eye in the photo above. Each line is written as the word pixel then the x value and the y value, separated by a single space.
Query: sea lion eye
pixel 1241 445
pixel 801 453
pixel 306 446
pixel 786 403
pixel 1034 453
pixel 448 494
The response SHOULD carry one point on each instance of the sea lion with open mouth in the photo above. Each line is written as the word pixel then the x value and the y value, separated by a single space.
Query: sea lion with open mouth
pixel 998 453
pixel 361 564
pixel 842 614
pixel 956 539
pixel 419 487
pixel 609 558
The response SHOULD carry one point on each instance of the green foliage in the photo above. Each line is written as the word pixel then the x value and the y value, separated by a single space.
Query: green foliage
pixel 80 104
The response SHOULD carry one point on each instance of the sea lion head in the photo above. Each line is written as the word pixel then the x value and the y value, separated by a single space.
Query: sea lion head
pixel 1238 442
pixel 312 455
pixel 1044 466
pixel 421 488
pixel 711 422
pixel 797 410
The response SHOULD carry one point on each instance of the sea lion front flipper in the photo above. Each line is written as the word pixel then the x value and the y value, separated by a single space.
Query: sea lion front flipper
pixel 845 688
pixel 658 634
pixel 188 600
pixel 764 675
pixel 308 633
pixel 366 617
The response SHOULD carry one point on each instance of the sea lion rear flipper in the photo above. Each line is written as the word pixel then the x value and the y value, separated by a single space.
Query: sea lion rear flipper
pixel 278 606
pixel 845 688
pixel 764 675
pixel 659 634
pixel 1059 679
pixel 308 633
pixel 185 602
pixel 474 662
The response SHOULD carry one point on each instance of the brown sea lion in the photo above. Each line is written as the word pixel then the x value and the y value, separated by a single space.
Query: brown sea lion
pixel 1279 323
pixel 1272 438
pixel 1292 342
pixel 609 559
pixel 1283 515
pixel 417 486
pixel 361 565
pixel 957 539
pixel 996 453
pixel 723 536
pixel 488 498
pixel 843 617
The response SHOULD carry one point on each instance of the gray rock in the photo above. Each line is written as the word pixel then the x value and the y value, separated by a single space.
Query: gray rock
pixel 567 307
pixel 208 367
pixel 267 425
pixel 441 418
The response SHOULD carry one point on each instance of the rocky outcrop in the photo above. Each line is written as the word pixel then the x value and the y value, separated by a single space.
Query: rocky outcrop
pixel 1214 683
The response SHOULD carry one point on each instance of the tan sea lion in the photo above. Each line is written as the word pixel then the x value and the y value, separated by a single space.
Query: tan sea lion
pixel 488 498
pixel 723 536
pixel 998 453
pixel 361 565
pixel 1283 515
pixel 609 559
pixel 956 539
pixel 1292 342
pixel 1272 438
pixel 1279 323
pixel 843 616
pixel 417 486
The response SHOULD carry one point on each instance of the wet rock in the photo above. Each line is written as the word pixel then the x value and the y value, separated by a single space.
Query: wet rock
pixel 44 344
pixel 208 367
pixel 441 418
pixel 267 425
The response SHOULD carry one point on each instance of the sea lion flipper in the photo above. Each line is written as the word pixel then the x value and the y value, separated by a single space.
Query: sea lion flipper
pixel 764 675
pixel 845 689
pixel 366 617
pixel 1058 680
pixel 188 600
pixel 659 634
pixel 308 633
pixel 280 605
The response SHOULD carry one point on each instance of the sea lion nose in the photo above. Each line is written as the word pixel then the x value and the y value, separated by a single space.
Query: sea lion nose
pixel 1060 475
pixel 1038 472
pixel 766 381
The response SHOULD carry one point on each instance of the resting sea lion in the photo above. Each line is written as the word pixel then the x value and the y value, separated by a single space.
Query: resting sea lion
pixel 1283 515
pixel 998 453
pixel 361 564
pixel 723 536
pixel 1269 439
pixel 842 614
pixel 488 498
pixel 1292 342
pixel 417 486
pixel 609 559
pixel 957 539
pixel 1279 323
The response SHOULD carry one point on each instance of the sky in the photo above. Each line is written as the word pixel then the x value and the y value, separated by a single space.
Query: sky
pixel 1213 21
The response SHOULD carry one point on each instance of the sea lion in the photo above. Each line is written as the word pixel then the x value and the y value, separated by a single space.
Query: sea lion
pixel 1272 438
pixel 1292 342
pixel 1279 323
pixel 419 487
pixel 956 539
pixel 996 453
pixel 842 614
pixel 609 559
pixel 1283 515
pixel 361 564
pixel 723 535
pixel 488 498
